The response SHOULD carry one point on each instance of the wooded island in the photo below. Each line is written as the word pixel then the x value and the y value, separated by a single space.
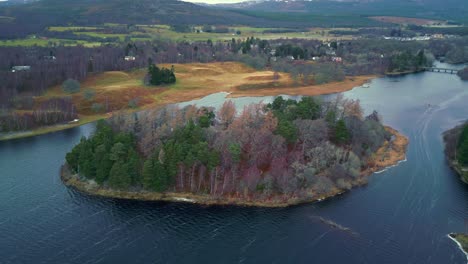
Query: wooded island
pixel 268 155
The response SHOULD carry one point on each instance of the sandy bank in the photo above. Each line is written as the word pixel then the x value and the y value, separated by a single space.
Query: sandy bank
pixel 328 88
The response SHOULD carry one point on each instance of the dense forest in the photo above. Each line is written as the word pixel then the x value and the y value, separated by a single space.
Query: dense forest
pixel 456 149
pixel 287 148
pixel 462 148
pixel 405 61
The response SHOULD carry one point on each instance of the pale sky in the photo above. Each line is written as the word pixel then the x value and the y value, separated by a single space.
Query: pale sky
pixel 214 1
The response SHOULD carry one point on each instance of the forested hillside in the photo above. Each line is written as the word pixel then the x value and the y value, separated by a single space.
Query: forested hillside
pixel 456 149
pixel 36 16
pixel 444 10
pixel 285 149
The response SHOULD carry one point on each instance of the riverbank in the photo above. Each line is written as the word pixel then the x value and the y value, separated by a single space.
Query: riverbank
pixel 396 74
pixel 462 242
pixel 390 154
pixel 451 141
pixel 194 90
pixel 313 90
pixel 49 129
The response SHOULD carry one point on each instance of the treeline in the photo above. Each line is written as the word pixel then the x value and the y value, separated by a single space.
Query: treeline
pixel 108 157
pixel 456 149
pixel 49 112
pixel 359 57
pixel 50 66
pixel 288 148
pixel 463 74
pixel 405 61
pixel 290 50
pixel 462 147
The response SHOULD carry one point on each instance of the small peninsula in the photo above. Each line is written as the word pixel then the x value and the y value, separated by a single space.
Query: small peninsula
pixel 284 153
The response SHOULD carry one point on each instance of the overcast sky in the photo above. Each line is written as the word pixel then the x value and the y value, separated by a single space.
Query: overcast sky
pixel 214 1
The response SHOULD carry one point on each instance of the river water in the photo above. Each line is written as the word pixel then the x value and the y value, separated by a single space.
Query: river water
pixel 402 216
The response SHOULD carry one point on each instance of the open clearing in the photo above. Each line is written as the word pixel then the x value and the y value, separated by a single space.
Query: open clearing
pixel 115 90
pixel 118 90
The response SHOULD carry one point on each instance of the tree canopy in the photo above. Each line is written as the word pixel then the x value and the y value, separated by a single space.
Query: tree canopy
pixel 462 149
pixel 157 76
pixel 283 148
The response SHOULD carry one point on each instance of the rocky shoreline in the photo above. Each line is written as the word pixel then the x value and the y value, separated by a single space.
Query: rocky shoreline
pixel 390 154
pixel 462 242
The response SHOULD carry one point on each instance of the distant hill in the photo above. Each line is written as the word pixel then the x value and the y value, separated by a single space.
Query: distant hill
pixel 33 16
pixel 119 11
pixel 445 10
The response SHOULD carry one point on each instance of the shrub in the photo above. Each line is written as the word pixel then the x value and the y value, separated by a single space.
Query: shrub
pixel 133 103
pixel 97 107
pixel 71 86
pixel 89 94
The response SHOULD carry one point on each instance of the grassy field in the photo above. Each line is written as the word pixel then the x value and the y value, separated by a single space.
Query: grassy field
pixel 115 90
pixel 149 32
pixel 164 32
pixel 46 42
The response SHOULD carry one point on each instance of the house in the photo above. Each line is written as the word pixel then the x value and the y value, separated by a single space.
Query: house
pixel 130 58
pixel 20 68
pixel 337 59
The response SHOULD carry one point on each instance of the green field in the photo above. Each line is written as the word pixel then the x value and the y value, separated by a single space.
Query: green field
pixel 46 42
pixel 97 35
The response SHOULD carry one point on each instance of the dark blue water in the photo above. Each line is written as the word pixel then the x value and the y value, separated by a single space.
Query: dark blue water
pixel 402 216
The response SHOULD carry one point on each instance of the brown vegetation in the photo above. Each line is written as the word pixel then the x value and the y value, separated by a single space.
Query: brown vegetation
pixel 195 80
pixel 390 153
pixel 113 91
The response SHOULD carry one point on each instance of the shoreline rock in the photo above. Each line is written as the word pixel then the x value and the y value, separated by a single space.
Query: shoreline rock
pixel 389 155
pixel 462 241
